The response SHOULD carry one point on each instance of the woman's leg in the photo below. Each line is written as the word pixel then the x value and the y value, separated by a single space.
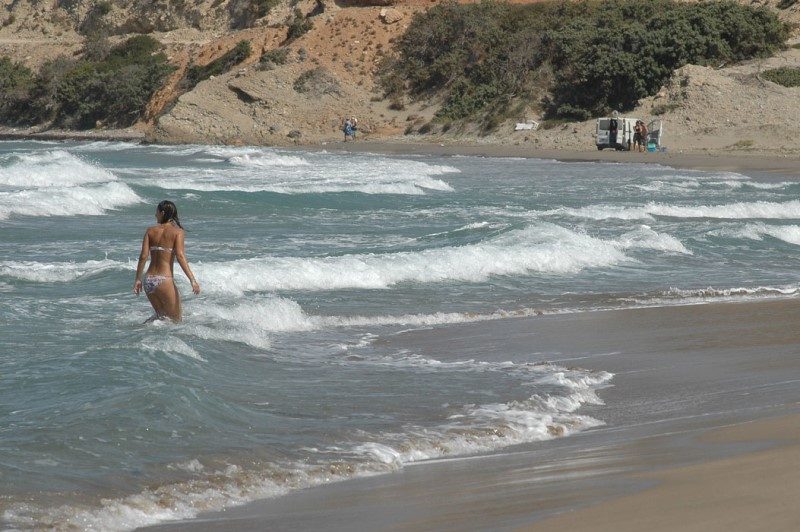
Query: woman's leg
pixel 166 301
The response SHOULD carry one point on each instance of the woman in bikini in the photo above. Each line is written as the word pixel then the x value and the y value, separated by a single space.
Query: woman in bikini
pixel 163 243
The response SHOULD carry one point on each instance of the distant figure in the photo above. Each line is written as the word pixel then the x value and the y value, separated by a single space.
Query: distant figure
pixel 347 127
pixel 163 243
pixel 639 136
pixel 613 128
pixel 354 123
pixel 644 136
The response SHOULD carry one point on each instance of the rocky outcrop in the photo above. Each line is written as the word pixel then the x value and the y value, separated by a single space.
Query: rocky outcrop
pixel 390 16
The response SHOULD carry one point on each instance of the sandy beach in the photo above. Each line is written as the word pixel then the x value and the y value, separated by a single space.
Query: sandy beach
pixel 757 163
pixel 701 434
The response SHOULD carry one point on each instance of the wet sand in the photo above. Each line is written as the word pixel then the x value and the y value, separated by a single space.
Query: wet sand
pixel 753 491
pixel 750 163
pixel 701 433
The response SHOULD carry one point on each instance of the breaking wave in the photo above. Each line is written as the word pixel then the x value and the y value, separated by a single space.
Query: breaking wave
pixel 468 429
pixel 543 248
pixel 57 183
pixel 740 210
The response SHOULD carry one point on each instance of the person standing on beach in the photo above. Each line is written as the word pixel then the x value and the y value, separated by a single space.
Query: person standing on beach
pixel 639 136
pixel 163 243
pixel 347 127
pixel 613 128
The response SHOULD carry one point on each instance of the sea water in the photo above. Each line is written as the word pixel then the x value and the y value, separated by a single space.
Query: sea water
pixel 279 377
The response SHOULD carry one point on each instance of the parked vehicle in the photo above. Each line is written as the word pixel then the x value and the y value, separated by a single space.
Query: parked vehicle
pixel 615 132
pixel 622 139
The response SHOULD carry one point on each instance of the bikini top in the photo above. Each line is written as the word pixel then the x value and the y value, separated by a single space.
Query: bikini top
pixel 160 248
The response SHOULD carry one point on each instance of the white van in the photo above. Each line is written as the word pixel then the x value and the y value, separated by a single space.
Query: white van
pixel 623 140
pixel 620 140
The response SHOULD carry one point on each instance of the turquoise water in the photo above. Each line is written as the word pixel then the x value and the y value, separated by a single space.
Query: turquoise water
pixel 278 378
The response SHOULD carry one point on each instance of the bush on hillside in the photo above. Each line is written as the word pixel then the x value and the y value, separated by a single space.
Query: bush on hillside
pixel 94 22
pixel 195 73
pixel 299 26
pixel 590 56
pixel 244 13
pixel 43 104
pixel 316 82
pixel 113 90
pixel 786 76
pixel 16 81
pixel 271 58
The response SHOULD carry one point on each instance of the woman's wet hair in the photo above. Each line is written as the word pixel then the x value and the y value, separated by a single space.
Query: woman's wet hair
pixel 170 212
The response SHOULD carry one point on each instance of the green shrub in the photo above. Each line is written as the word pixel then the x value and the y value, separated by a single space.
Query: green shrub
pixel 195 74
pixel 43 103
pixel 271 58
pixel 317 82
pixel 93 23
pixel 786 76
pixel 72 93
pixel 298 26
pixel 279 56
pixel 16 80
pixel 664 108
pixel 113 91
pixel 479 59
pixel 261 8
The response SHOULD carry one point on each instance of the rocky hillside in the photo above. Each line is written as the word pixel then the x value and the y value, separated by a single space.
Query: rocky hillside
pixel 301 94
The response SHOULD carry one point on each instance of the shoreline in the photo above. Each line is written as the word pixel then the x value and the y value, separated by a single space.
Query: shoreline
pixel 765 164
pixel 701 403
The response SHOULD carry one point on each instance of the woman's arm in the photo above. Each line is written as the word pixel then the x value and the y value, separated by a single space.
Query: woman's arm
pixel 143 254
pixel 180 254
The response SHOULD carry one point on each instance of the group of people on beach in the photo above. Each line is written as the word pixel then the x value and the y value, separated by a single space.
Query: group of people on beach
pixel 349 127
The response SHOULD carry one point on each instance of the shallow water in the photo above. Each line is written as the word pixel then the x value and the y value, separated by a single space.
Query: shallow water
pixel 278 377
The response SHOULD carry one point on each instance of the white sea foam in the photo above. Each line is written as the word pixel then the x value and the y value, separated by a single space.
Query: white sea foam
pixel 105 146
pixel 69 201
pixel 757 231
pixel 644 237
pixel 468 227
pixel 56 272
pixel 171 345
pixel 267 160
pixel 678 296
pixel 544 248
pixel 52 168
pixel 252 321
pixel 58 183
pixel 293 174
pixel 475 428
pixel 740 210
pixel 759 185
pixel 680 187
pixel 487 427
